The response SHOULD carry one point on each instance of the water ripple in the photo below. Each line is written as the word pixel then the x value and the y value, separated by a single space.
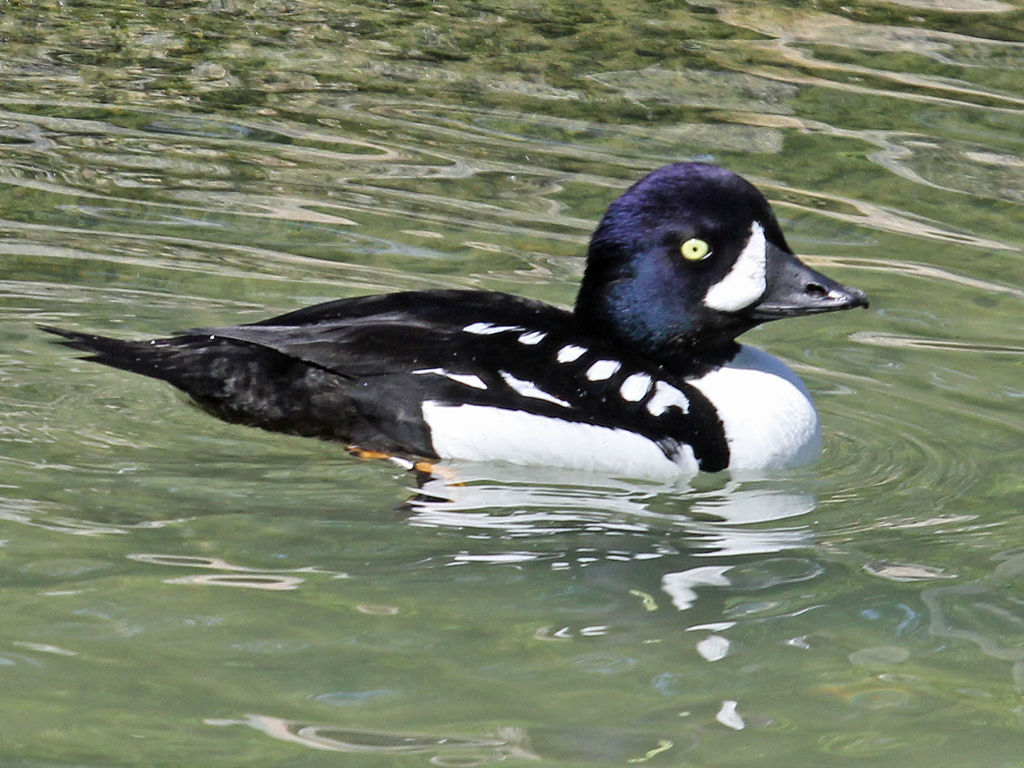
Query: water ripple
pixel 154 179
pixel 447 750
pixel 275 580
pixel 875 451
pixel 975 347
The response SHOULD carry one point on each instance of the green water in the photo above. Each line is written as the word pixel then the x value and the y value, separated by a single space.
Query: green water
pixel 178 591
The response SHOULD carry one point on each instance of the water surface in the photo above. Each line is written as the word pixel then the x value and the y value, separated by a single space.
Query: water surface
pixel 178 590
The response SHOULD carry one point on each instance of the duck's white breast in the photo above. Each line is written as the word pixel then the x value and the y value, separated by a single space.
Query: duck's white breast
pixel 769 417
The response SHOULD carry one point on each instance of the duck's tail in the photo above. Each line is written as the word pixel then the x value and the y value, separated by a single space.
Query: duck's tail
pixel 149 358
pixel 233 380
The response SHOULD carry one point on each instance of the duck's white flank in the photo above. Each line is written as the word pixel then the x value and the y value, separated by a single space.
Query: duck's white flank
pixel 769 416
pixel 485 433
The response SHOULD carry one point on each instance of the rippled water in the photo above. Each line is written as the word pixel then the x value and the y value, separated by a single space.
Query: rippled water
pixel 178 590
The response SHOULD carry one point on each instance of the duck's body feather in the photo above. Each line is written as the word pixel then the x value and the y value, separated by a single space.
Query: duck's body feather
pixel 643 378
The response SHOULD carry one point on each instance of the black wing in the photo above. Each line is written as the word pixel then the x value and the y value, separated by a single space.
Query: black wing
pixel 394 333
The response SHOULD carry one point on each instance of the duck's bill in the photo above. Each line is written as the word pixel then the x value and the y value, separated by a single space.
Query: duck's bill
pixel 795 289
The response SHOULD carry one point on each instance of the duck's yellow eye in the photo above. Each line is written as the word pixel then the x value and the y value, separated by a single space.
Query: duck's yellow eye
pixel 695 249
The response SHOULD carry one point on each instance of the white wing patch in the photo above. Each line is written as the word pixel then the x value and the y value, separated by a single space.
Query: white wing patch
pixel 746 281
pixel 469 379
pixel 489 329
pixel 665 397
pixel 529 389
pixel 602 369
pixel 570 353
pixel 532 337
pixel 635 387
pixel 486 433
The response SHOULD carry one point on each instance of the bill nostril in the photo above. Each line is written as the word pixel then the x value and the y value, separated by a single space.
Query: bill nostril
pixel 816 290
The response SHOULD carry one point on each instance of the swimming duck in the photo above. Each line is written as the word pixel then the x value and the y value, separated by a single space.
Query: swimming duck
pixel 643 378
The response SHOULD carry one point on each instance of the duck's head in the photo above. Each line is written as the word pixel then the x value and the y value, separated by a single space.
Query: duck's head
pixel 690 257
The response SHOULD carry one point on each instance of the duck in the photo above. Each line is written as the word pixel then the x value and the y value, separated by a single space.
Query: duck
pixel 642 377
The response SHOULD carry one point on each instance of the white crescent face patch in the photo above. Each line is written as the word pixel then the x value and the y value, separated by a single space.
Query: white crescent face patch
pixel 746 282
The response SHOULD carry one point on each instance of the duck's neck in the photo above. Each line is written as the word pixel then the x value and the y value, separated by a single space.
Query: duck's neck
pixel 679 355
pixel 638 304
